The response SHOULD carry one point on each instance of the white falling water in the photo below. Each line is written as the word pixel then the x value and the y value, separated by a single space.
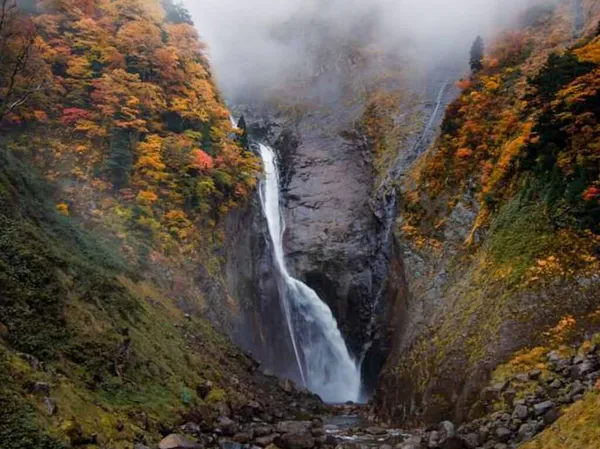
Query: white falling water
pixel 323 360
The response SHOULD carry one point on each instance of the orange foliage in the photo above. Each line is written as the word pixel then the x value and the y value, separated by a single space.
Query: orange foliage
pixel 201 160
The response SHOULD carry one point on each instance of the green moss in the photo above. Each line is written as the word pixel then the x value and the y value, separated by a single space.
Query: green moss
pixel 215 395
pixel 519 235
pixel 19 428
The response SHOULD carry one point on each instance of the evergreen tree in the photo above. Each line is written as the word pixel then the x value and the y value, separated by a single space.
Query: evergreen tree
pixel 244 141
pixel 120 162
pixel 176 12
pixel 477 55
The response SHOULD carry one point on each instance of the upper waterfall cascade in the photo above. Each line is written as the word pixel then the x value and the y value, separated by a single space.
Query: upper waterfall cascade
pixel 324 363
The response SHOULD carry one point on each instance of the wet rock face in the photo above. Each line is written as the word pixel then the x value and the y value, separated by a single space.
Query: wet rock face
pixel 330 236
pixel 333 240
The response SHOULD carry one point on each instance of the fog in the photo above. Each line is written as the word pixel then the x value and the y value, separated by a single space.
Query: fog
pixel 255 44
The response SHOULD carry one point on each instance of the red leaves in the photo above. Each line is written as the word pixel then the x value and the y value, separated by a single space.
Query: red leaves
pixel 591 194
pixel 201 160
pixel 73 115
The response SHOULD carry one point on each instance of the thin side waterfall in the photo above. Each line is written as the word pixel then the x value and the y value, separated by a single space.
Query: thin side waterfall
pixel 324 363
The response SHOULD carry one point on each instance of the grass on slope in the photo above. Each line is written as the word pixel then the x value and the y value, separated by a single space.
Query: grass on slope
pixel 578 428
pixel 121 359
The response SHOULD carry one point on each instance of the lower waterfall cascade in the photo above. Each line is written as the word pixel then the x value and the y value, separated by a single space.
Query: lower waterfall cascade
pixel 324 363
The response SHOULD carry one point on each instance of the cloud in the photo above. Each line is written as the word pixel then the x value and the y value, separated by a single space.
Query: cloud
pixel 255 44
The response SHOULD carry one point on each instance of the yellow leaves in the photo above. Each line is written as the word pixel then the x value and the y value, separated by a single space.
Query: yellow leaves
pixel 491 83
pixel 563 331
pixel 79 67
pixel 146 198
pixel 590 52
pixel 63 209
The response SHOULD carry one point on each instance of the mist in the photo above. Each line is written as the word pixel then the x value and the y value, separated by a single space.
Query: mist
pixel 257 44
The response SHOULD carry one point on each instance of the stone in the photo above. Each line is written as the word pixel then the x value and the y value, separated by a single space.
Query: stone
pixel 227 426
pixel 296 440
pixel 522 377
pixel 521 412
pixel 434 439
pixel 376 431
pixel 262 431
pixel 556 384
pixel 293 426
pixel 51 407
pixel 553 356
pixel 543 407
pixel 228 444
pixel 41 388
pixel 140 446
pixel 509 396
pixel 191 428
pixel 243 437
pixel 535 374
pixel 551 416
pixel 204 389
pixel 503 434
pixel 576 388
pixel 447 436
pixel 175 441
pixel 583 369
pixel 317 431
pixel 266 440
pixel 471 440
pixel 525 433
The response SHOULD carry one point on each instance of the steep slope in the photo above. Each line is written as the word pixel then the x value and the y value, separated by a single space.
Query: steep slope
pixel 499 221
pixel 118 166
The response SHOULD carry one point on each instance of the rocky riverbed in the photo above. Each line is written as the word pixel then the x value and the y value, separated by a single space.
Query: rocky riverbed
pixel 519 408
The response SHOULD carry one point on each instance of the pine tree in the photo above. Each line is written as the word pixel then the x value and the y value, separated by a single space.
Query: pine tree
pixel 477 55
pixel 244 141
pixel 120 161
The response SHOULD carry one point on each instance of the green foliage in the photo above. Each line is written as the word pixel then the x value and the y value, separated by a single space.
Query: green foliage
pixel 559 70
pixel 564 156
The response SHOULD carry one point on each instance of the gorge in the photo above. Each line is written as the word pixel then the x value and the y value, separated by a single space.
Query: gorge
pixel 395 246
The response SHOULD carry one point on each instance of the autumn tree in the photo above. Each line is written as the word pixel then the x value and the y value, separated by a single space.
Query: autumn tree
pixel 477 50
pixel 22 74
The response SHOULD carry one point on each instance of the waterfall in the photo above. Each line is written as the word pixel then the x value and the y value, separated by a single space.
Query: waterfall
pixel 324 363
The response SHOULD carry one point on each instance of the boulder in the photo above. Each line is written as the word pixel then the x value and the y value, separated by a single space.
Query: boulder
pixel 434 440
pixel 262 431
pixel 266 440
pixel 293 426
pixel 520 412
pixel 296 440
pixel 551 416
pixel 471 440
pixel 175 441
pixel 526 432
pixel 543 407
pixel 243 437
pixel 228 444
pixel 227 426
pixel 503 434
